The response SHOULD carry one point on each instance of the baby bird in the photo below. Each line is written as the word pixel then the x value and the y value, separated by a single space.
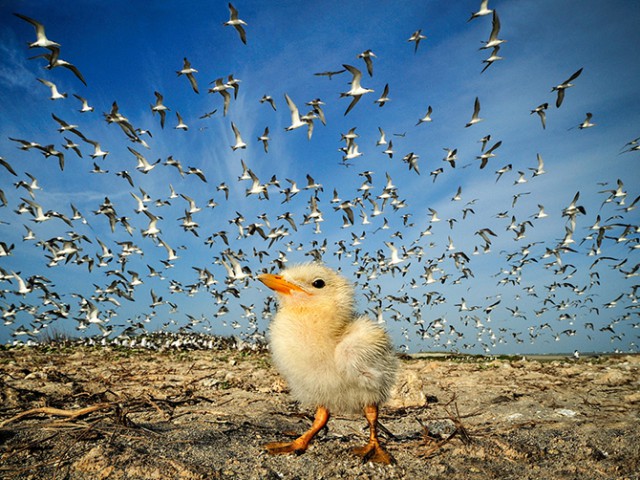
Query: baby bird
pixel 332 358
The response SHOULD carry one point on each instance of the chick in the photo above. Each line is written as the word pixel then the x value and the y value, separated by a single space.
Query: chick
pixel 332 358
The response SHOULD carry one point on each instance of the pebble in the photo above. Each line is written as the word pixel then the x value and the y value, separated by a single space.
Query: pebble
pixel 565 412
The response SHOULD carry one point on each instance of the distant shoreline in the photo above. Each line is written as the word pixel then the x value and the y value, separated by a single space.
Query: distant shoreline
pixel 543 357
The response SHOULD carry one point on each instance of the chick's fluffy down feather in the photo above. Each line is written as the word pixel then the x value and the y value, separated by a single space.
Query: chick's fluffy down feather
pixel 366 363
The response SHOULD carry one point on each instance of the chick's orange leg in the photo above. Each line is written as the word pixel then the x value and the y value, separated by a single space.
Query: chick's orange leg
pixel 300 444
pixel 373 451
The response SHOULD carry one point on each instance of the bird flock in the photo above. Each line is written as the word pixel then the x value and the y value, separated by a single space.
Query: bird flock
pixel 148 240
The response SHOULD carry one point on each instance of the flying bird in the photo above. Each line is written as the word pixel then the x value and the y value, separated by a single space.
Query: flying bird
pixel 160 108
pixel 41 39
pixel 236 23
pixel 8 167
pixel 269 100
pixel 181 125
pixel 541 111
pixel 85 104
pixel 332 358
pixel 563 86
pixel 587 123
pixel 55 61
pixel 296 122
pixel 239 142
pixel 330 73
pixel 416 37
pixel 366 56
pixel 384 98
pixel 264 138
pixel 482 11
pixel 55 94
pixel 189 71
pixel 476 111
pixel 427 116
pixel 356 90
pixel 484 158
pixel 493 41
pixel 494 57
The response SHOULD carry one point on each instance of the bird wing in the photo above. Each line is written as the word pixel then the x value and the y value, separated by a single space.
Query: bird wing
pixel 573 77
pixel 495 24
pixel 365 356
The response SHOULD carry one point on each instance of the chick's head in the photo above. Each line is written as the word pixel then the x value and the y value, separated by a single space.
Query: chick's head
pixel 312 287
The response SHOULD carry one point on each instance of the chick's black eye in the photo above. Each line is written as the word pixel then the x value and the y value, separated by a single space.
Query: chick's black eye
pixel 318 283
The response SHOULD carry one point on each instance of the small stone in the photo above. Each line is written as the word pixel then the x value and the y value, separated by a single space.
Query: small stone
pixel 565 412
pixel 409 391
pixel 514 416
pixel 632 398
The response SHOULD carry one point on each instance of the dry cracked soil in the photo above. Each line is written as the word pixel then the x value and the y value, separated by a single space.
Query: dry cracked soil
pixel 88 413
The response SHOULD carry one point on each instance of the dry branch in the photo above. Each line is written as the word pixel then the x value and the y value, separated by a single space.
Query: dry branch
pixel 59 412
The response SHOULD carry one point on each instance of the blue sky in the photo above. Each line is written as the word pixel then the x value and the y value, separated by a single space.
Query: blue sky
pixel 127 51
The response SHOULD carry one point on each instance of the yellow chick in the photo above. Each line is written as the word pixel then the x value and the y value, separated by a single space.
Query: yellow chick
pixel 332 358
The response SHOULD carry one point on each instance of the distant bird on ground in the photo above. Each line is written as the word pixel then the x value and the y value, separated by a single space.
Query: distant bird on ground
pixel 189 71
pixel 416 37
pixel 563 86
pixel 236 23
pixel 476 111
pixel 332 358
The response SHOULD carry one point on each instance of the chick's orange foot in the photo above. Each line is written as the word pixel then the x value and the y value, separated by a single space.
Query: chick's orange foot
pixel 373 452
pixel 281 448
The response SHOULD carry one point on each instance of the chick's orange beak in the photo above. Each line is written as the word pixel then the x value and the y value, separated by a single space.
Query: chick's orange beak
pixel 278 284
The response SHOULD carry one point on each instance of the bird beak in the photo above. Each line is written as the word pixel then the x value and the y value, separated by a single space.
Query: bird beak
pixel 279 284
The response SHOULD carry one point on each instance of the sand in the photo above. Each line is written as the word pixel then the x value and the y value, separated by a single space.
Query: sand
pixel 81 413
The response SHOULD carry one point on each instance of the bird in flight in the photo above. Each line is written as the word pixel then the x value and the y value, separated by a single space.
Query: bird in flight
pixel 563 86
pixel 356 90
pixel 236 23
pixel 482 11
pixel 41 39
pixel 189 71
pixel 541 111
pixel 476 111
pixel 417 37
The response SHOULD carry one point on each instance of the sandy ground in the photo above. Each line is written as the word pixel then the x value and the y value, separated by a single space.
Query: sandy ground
pixel 82 413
